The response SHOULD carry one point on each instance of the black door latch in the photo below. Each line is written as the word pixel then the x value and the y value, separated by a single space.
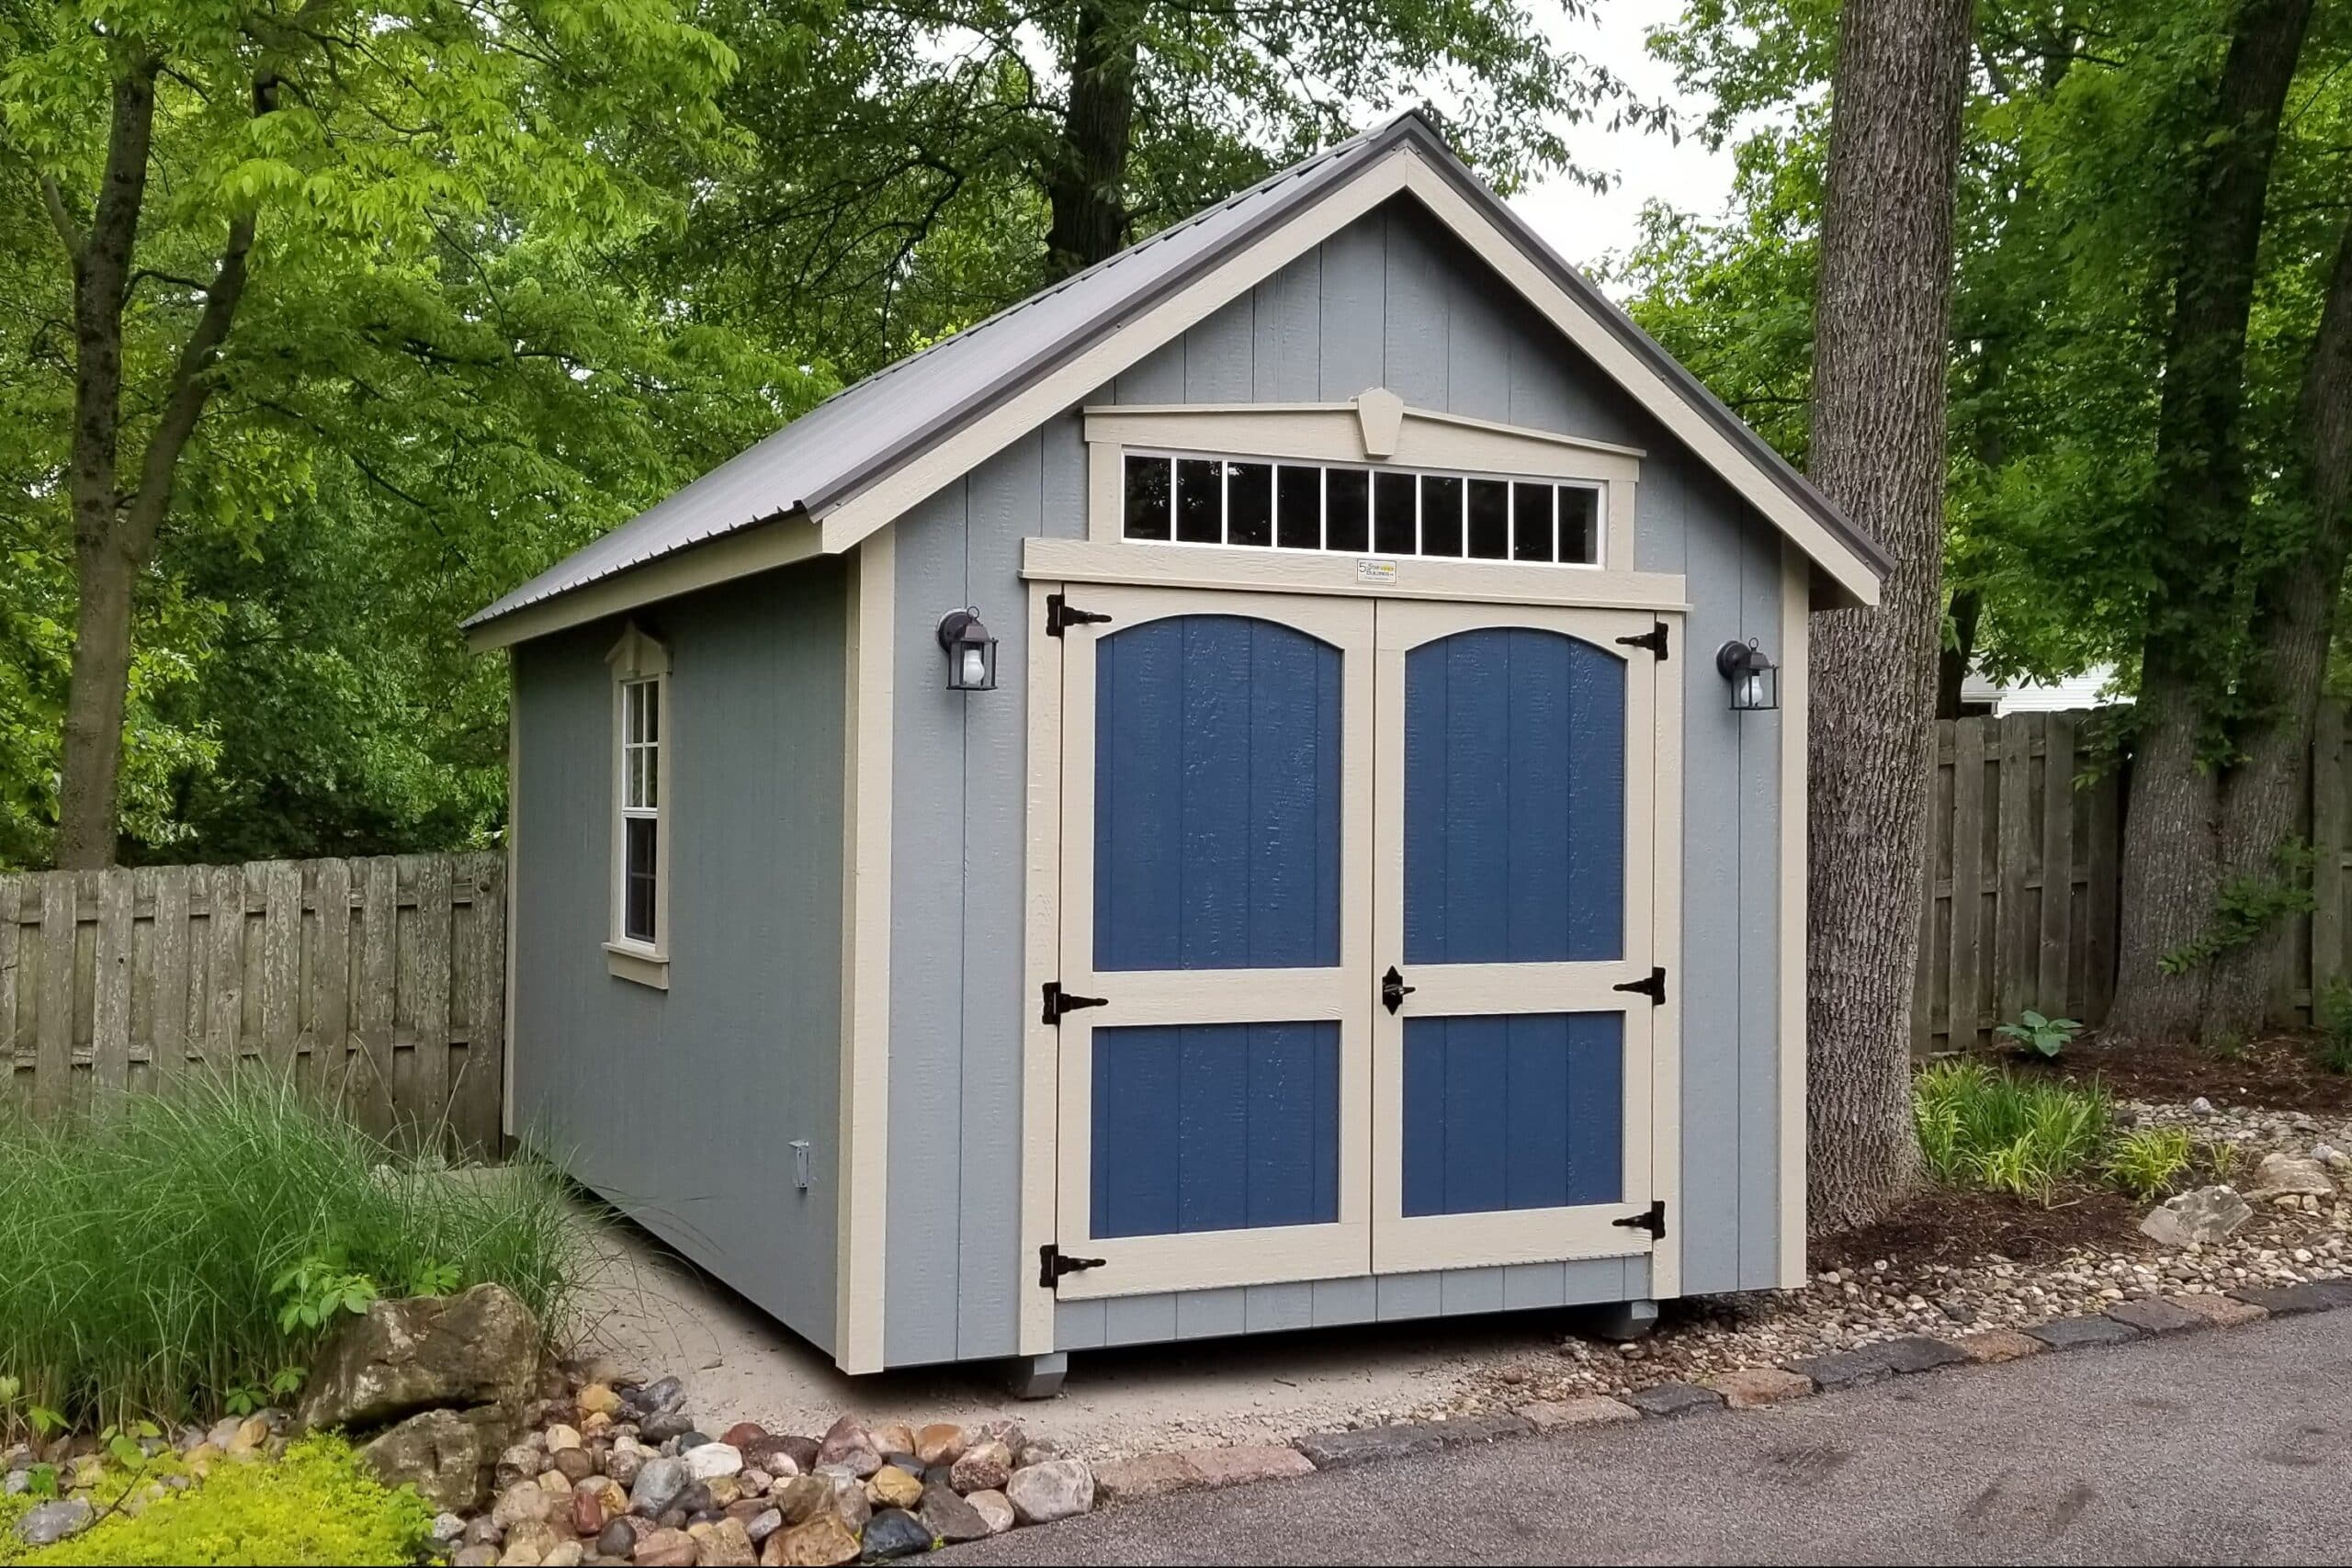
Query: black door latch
pixel 1052 1265
pixel 1393 989
pixel 1058 1001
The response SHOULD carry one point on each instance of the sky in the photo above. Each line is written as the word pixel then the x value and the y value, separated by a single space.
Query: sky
pixel 1648 164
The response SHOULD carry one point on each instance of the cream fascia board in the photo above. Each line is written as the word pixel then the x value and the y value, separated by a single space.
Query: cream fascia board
pixel 1796 654
pixel 1153 565
pixel 1402 171
pixel 1333 433
pixel 701 565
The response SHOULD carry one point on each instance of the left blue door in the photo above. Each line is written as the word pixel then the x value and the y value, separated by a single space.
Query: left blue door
pixel 1216 770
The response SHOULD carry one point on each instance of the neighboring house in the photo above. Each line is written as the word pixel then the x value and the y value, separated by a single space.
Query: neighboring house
pixel 1331 881
pixel 1981 695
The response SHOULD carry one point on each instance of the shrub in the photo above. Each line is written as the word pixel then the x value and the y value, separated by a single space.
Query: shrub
pixel 2047 1036
pixel 314 1504
pixel 148 1248
pixel 2333 1015
pixel 2147 1163
pixel 1980 1128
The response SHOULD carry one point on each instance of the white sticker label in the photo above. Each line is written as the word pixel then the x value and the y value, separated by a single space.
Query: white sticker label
pixel 1374 569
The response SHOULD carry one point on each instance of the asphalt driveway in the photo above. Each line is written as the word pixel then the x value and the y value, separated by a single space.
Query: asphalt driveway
pixel 2230 1446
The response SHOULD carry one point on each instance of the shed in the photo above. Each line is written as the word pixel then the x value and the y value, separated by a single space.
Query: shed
pixel 1260 787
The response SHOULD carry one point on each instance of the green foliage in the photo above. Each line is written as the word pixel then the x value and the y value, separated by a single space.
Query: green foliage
pixel 2047 1036
pixel 2148 1162
pixel 2333 1013
pixel 2247 906
pixel 1981 1128
pixel 315 1505
pixel 148 1252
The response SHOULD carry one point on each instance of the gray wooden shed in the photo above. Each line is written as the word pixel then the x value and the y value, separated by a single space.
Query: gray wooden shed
pixel 1354 870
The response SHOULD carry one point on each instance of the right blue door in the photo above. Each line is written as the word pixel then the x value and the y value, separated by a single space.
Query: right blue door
pixel 1517 753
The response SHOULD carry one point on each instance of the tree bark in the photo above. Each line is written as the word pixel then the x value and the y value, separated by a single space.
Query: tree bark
pixel 114 532
pixel 1087 184
pixel 2171 875
pixel 1881 324
pixel 2294 621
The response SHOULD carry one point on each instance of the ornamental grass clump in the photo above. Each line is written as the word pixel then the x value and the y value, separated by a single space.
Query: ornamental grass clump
pixel 161 1255
pixel 1980 1128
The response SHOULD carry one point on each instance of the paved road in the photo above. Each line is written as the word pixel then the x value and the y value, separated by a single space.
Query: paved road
pixel 2230 1446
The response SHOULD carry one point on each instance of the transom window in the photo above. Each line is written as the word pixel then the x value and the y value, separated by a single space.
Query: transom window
pixel 1359 511
pixel 640 809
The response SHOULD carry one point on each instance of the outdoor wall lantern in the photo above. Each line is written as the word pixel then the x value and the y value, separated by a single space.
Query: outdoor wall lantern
pixel 1755 679
pixel 971 652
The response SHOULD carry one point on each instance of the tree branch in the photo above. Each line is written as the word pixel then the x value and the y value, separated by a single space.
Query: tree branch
pixel 52 199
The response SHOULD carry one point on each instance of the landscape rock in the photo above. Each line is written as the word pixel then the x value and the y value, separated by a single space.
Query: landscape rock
pixel 849 1445
pixel 2155 1315
pixel 475 1557
pixel 1057 1489
pixel 574 1465
pixel 1241 1462
pixel 950 1518
pixel 1329 1450
pixel 890 1487
pixel 1991 1346
pixel 776 1457
pixel 2284 1175
pixel 744 1435
pixel 564 1554
pixel 2076 1333
pixel 1147 1475
pixel 597 1399
pixel 560 1437
pixel 1674 1399
pixel 820 1541
pixel 895 1534
pixel 525 1503
pixel 896 1438
pixel 995 1510
pixel 800 1497
pixel 1552 1415
pixel 2205 1215
pixel 617 1540
pixel 48 1523
pixel 985 1467
pixel 622 1464
pixel 761 1525
pixel 1919 1353
pixel 2283 1301
pixel 939 1443
pixel 667 1549
pixel 448 1456
pixel 726 1544
pixel 710 1460
pixel 422 1353
pixel 1752 1387
pixel 653 1398
pixel 656 1485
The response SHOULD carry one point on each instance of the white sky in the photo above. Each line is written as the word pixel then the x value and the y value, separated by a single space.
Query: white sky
pixel 1646 165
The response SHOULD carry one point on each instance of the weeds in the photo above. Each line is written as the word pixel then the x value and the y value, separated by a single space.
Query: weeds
pixel 2333 1015
pixel 168 1255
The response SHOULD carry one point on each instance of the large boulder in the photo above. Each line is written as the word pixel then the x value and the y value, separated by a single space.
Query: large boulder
pixel 2202 1217
pixel 450 1457
pixel 480 1347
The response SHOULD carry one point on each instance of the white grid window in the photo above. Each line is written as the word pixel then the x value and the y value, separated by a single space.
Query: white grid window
pixel 1355 510
pixel 640 810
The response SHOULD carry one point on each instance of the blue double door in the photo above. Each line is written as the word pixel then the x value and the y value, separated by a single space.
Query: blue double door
pixel 1357 883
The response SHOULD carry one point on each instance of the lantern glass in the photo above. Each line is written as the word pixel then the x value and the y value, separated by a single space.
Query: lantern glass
pixel 1754 679
pixel 971 652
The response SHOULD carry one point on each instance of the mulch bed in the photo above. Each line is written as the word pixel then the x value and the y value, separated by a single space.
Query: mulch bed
pixel 1944 1224
pixel 2278 1071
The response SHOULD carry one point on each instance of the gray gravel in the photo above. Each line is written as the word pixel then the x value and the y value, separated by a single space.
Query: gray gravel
pixel 2227 1446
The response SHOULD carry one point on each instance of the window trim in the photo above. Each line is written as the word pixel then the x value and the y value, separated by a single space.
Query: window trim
pixel 638 659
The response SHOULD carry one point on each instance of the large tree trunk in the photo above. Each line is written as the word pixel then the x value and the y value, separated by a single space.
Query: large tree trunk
pixel 2171 853
pixel 101 676
pixel 1881 321
pixel 2294 621
pixel 1086 187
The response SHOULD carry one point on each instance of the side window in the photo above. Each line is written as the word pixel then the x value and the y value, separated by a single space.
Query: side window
pixel 640 938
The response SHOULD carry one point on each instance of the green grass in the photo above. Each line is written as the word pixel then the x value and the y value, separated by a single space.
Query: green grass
pixel 1982 1128
pixel 2148 1163
pixel 140 1244
pixel 314 1505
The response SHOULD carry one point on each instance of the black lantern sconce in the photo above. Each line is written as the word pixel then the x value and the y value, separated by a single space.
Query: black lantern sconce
pixel 971 652
pixel 1755 679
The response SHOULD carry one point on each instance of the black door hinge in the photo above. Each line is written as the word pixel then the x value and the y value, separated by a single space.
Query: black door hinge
pixel 1058 1001
pixel 1653 988
pixel 1052 1265
pixel 1060 616
pixel 1654 639
pixel 1653 1221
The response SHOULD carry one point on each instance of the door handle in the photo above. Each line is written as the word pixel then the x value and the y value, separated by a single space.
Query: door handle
pixel 1393 989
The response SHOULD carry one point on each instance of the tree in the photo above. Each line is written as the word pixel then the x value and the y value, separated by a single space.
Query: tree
pixel 220 174
pixel 1881 327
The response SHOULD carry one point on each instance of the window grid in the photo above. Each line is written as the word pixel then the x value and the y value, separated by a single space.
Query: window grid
pixel 641 808
pixel 1190 500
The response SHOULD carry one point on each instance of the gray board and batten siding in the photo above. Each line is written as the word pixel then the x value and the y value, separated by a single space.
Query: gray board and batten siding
pixel 679 1106
pixel 1391 300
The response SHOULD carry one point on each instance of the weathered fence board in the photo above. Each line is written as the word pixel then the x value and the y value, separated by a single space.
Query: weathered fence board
pixel 341 974
pixel 2023 859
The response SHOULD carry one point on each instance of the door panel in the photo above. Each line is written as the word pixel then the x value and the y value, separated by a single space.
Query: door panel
pixel 1512 889
pixel 1217 792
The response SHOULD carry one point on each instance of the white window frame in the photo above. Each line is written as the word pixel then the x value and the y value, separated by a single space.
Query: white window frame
pixel 638 661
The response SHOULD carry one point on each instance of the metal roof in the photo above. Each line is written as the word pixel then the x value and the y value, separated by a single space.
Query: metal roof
pixel 865 431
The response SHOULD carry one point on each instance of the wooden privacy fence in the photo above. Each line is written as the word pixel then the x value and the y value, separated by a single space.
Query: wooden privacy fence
pixel 380 983
pixel 2025 837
